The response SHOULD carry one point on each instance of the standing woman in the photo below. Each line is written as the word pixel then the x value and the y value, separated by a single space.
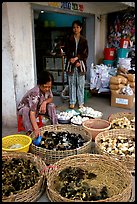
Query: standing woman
pixel 76 49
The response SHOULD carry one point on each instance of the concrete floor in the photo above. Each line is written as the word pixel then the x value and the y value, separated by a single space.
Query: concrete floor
pixel 100 102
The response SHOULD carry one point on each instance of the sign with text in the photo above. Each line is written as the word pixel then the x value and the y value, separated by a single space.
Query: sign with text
pixel 67 5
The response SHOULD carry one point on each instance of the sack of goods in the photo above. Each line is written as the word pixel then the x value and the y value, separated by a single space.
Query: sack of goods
pixel 118 82
pixel 131 81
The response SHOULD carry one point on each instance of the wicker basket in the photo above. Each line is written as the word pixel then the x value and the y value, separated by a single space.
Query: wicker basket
pixel 129 115
pixel 95 126
pixel 127 160
pixel 109 172
pixel 34 192
pixel 51 156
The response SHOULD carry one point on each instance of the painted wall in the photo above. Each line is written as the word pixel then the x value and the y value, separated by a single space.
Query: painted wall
pixel 57 20
pixel 100 36
pixel 8 92
pixel 90 36
pixel 18 69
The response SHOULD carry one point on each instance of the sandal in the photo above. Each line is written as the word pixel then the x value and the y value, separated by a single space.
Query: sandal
pixel 81 106
pixel 71 106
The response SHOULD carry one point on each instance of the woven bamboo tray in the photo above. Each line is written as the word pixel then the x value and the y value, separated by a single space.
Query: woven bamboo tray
pixel 127 160
pixel 109 172
pixel 51 156
pixel 129 115
pixel 33 193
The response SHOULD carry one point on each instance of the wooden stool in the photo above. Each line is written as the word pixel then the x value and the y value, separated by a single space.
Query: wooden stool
pixel 20 124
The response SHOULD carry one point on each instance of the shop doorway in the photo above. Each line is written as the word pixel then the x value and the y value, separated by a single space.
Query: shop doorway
pixel 51 28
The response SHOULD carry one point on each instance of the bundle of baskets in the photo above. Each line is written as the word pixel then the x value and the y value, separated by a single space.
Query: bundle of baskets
pixel 51 156
pixel 109 172
pixel 34 192
pixel 113 134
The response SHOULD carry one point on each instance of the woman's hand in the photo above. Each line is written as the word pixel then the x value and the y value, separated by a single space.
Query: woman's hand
pixel 72 60
pixel 37 132
pixel 77 64
pixel 43 107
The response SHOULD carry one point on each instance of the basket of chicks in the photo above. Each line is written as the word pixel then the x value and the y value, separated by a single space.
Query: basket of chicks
pixel 89 178
pixel 118 143
pixel 122 120
pixel 59 141
pixel 23 177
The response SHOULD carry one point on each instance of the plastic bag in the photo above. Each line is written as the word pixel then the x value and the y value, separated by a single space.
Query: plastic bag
pixel 127 90
pixel 98 84
pixel 93 78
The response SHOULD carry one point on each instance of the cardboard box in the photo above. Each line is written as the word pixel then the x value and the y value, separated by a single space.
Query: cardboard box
pixel 122 101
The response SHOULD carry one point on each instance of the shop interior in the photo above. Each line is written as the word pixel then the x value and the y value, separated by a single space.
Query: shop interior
pixel 51 29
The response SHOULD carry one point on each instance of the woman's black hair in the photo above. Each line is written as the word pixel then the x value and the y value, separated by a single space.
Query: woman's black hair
pixel 45 77
pixel 77 22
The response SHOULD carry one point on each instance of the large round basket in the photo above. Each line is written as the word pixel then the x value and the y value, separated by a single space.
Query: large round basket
pixel 95 126
pixel 33 193
pixel 129 115
pixel 127 160
pixel 109 172
pixel 51 156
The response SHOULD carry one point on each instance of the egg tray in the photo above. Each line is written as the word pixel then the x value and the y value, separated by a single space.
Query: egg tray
pixel 68 121
pixel 76 124
pixel 51 156
pixel 109 172
pixel 33 193
pixel 90 115
pixel 126 160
